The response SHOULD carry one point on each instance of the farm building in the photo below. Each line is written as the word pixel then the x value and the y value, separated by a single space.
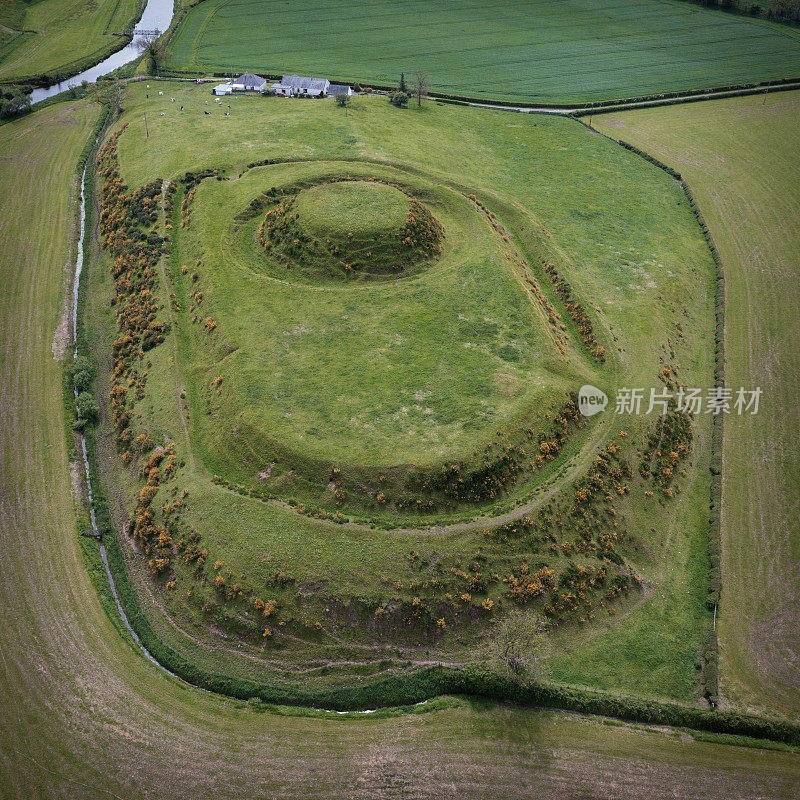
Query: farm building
pixel 291 85
pixel 339 88
pixel 249 83
pixel 223 88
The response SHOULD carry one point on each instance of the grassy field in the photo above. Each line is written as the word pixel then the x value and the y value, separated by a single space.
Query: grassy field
pixel 742 159
pixel 50 36
pixel 84 715
pixel 539 51
pixel 640 259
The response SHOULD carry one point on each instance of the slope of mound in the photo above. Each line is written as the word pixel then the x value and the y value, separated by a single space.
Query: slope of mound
pixel 351 228
pixel 367 376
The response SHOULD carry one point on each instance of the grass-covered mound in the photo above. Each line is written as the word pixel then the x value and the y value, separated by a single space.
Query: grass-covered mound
pixel 358 399
pixel 351 228
pixel 346 390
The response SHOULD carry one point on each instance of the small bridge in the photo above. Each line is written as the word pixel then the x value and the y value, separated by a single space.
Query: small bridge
pixel 138 32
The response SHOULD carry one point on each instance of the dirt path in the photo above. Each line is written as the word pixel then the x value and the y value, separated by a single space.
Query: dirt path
pixel 626 105
pixel 173 322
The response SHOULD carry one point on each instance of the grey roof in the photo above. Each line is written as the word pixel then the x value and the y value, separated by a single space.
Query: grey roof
pixel 298 82
pixel 248 79
pixel 338 88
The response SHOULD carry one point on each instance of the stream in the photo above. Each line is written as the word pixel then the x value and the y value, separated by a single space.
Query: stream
pixel 79 261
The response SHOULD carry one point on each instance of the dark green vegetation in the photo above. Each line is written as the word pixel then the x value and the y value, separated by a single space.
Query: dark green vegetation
pixel 578 260
pixel 540 51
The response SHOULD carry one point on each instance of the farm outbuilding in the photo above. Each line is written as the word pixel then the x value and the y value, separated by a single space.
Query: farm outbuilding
pixel 339 88
pixel 249 83
pixel 293 85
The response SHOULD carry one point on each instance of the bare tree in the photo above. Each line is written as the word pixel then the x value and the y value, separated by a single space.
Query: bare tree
pixel 155 48
pixel 516 644
pixel 420 85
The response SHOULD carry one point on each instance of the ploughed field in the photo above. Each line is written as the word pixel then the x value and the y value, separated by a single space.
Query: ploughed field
pixel 344 354
pixel 539 51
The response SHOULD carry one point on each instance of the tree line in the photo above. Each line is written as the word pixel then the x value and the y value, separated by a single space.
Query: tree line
pixel 777 10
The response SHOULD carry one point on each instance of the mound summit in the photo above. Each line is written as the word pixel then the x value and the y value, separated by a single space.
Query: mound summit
pixel 352 228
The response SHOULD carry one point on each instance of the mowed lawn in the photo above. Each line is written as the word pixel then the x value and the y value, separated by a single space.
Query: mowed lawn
pixel 82 712
pixel 66 33
pixel 533 51
pixel 742 158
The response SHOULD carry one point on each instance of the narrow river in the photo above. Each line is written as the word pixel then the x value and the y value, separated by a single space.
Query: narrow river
pixel 79 261
pixel 157 15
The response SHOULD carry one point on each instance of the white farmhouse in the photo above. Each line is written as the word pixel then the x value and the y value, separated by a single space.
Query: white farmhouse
pixel 295 85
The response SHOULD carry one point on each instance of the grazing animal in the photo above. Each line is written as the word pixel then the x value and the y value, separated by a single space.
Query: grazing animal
pixel 207 112
pixel 160 93
pixel 163 114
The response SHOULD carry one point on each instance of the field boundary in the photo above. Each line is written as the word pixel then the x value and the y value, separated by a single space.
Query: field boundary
pixel 710 652
pixel 576 109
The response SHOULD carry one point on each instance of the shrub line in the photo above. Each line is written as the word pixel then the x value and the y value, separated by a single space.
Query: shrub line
pixel 710 646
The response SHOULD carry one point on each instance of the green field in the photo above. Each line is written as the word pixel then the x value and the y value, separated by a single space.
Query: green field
pixel 84 714
pixel 88 727
pixel 412 370
pixel 741 157
pixel 619 230
pixel 539 51
pixel 59 36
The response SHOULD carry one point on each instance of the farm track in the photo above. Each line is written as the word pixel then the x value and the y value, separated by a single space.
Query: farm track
pixel 629 105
